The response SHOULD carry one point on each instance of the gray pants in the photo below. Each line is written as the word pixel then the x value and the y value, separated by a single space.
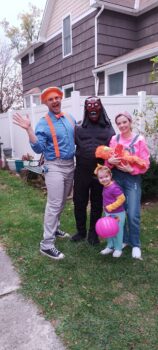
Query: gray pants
pixel 59 181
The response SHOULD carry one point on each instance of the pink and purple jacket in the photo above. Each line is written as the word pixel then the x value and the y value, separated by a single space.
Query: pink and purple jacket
pixel 110 194
pixel 140 148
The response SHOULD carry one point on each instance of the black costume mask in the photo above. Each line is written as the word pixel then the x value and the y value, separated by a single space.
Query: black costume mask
pixel 93 108
pixel 94 113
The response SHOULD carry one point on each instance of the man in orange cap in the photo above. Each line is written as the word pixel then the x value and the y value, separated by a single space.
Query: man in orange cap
pixel 52 97
pixel 54 138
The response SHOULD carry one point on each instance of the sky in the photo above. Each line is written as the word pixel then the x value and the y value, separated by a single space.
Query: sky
pixel 11 9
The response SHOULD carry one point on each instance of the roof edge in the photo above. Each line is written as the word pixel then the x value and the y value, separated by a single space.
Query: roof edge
pixel 45 19
pixel 28 49
pixel 122 9
pixel 125 59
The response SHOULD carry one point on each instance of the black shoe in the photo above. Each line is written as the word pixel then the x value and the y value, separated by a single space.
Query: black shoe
pixel 93 241
pixel 61 234
pixel 52 253
pixel 77 238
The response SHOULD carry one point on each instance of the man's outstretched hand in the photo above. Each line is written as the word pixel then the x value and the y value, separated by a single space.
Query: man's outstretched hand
pixel 23 122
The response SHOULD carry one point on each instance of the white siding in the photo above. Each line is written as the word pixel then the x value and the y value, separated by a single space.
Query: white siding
pixel 61 8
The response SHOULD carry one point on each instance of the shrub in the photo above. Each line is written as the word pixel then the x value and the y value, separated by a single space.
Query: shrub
pixel 146 123
pixel 150 181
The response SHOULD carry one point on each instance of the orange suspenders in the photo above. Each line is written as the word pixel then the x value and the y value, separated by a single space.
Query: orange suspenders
pixel 52 129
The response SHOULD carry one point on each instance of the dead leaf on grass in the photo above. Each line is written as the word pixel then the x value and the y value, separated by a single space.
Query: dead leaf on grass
pixel 127 298
pixel 3 187
pixel 118 285
pixel 55 323
pixel 153 244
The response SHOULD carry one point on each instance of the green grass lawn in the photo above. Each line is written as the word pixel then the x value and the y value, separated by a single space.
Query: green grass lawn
pixel 94 302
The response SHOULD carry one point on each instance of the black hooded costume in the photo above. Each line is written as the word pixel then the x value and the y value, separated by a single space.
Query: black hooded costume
pixel 88 136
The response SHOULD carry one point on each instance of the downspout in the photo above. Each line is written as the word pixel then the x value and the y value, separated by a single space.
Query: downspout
pixel 96 49
pixel 137 4
pixel 96 82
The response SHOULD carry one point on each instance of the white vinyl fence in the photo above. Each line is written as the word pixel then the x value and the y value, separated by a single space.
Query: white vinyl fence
pixel 16 138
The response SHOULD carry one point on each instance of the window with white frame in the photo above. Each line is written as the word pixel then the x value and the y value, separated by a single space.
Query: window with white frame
pixel 67 36
pixel 116 81
pixel 31 57
pixel 32 100
pixel 67 89
pixel 36 100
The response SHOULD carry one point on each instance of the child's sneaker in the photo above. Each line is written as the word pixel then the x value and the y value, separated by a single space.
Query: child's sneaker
pixel 106 251
pixel 136 253
pixel 52 253
pixel 117 253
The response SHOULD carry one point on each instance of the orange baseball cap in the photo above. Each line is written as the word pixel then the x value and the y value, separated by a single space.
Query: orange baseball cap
pixel 47 92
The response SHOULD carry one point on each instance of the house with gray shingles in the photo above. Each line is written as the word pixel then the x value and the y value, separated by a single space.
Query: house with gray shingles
pixel 100 47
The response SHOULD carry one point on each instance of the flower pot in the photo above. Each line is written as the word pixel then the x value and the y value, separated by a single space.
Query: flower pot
pixel 11 164
pixel 19 165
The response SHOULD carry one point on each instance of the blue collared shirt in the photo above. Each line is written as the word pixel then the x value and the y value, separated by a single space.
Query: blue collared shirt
pixel 65 138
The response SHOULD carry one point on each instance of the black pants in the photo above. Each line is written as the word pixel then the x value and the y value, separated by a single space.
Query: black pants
pixel 87 189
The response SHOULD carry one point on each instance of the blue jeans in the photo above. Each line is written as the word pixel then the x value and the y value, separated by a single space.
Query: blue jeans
pixel 131 186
